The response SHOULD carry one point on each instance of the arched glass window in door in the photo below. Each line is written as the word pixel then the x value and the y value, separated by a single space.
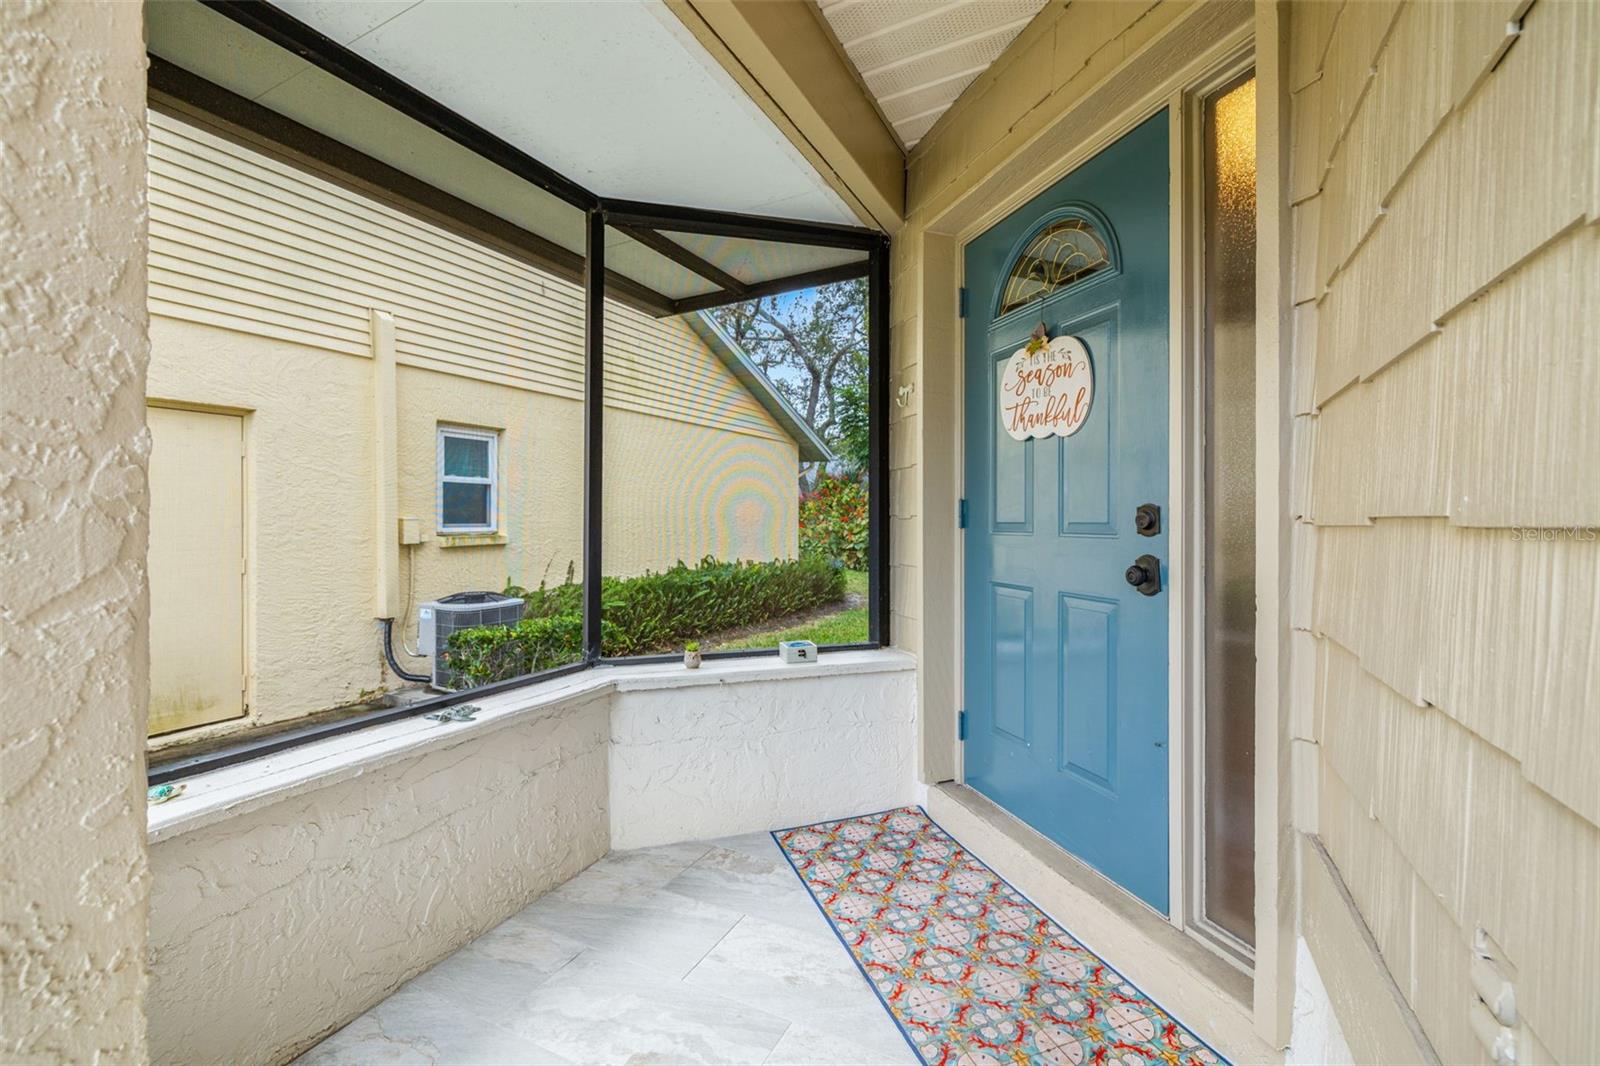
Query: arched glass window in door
pixel 1067 250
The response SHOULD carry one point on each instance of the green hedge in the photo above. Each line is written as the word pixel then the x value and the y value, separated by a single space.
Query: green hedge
pixel 494 653
pixel 655 612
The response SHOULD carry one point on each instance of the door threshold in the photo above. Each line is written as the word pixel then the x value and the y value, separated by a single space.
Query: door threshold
pixel 1204 991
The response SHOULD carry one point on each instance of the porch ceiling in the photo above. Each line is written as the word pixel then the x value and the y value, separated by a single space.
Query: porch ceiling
pixel 916 56
pixel 616 100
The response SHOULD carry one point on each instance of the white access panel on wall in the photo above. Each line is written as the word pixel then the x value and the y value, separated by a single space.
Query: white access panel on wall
pixel 196 568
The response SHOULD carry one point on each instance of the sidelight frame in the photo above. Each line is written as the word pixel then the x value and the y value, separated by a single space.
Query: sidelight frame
pixel 1189 166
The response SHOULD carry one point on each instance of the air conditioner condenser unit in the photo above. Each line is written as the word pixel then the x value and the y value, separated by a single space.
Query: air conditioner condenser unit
pixel 437 619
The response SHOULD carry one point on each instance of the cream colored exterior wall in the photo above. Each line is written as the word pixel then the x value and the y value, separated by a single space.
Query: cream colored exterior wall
pixel 263 285
pixel 74 659
pixel 1446 273
pixel 196 540
pixel 309 634
pixel 1441 679
pixel 676 491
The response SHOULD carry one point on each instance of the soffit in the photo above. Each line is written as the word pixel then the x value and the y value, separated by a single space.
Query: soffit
pixel 617 97
pixel 916 56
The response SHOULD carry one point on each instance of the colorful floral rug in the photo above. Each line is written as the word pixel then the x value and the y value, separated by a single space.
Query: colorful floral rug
pixel 972 972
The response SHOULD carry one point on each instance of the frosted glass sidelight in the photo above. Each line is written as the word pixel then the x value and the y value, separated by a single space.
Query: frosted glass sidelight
pixel 1228 897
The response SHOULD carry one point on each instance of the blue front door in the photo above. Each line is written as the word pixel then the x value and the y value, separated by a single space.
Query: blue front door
pixel 1065 658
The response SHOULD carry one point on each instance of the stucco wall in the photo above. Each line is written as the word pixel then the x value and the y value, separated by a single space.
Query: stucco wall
pixel 290 907
pixel 1446 271
pixel 274 927
pixel 706 761
pixel 73 642
pixel 308 505
pixel 675 491
pixel 1318 1040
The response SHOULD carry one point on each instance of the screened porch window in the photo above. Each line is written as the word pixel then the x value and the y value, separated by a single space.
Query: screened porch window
pixel 727 486
pixel 467 476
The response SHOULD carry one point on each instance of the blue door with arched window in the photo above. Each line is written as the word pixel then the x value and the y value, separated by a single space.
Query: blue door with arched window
pixel 1066 572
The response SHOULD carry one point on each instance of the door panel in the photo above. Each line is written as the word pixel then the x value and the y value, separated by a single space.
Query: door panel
pixel 1066 664
pixel 1013 642
pixel 1085 459
pixel 1012 470
pixel 196 568
pixel 1088 688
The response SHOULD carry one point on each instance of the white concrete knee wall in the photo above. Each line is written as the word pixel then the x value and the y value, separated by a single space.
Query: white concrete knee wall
pixel 709 761
pixel 271 928
pixel 282 917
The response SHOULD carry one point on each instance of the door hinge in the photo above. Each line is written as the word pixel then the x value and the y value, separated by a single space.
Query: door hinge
pixel 961 725
pixel 961 514
pixel 963 302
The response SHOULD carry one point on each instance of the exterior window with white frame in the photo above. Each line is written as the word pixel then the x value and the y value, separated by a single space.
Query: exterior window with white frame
pixel 468 474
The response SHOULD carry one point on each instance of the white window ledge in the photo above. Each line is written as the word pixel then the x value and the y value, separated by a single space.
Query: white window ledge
pixel 233 790
pixel 473 540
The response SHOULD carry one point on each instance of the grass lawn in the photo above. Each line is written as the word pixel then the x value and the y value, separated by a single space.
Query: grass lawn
pixel 846 626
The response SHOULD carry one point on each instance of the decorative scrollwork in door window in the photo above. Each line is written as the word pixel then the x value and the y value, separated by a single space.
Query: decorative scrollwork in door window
pixel 1064 252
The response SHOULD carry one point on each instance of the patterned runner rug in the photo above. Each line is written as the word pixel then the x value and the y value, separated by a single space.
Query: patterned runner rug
pixel 972 972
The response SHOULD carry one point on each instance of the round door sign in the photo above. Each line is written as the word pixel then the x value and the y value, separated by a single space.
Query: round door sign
pixel 1048 392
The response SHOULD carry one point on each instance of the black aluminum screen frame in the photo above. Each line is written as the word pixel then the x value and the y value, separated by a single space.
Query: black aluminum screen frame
pixel 274 25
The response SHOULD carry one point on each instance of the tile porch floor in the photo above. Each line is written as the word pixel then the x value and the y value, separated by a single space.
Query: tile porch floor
pixel 689 953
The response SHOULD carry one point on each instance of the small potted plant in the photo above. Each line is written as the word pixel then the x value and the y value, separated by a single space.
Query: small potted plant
pixel 691 655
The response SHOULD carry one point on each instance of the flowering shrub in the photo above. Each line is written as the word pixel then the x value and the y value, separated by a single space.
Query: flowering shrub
pixel 833 522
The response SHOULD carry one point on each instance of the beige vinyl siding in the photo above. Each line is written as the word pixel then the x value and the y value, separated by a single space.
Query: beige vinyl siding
pixel 248 243
pixel 661 367
pixel 1446 269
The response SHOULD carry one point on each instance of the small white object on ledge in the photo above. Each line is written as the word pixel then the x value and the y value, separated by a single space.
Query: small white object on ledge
pixel 797 651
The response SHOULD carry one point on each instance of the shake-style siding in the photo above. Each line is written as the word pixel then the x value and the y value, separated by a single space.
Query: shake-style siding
pixel 1446 381
pixel 1443 471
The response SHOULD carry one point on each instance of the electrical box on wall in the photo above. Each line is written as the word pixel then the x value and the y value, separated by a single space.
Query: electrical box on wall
pixel 410 531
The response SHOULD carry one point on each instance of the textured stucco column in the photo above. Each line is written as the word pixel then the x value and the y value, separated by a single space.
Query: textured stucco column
pixel 74 659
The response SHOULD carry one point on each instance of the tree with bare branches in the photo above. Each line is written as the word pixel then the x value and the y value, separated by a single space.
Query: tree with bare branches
pixel 813 347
